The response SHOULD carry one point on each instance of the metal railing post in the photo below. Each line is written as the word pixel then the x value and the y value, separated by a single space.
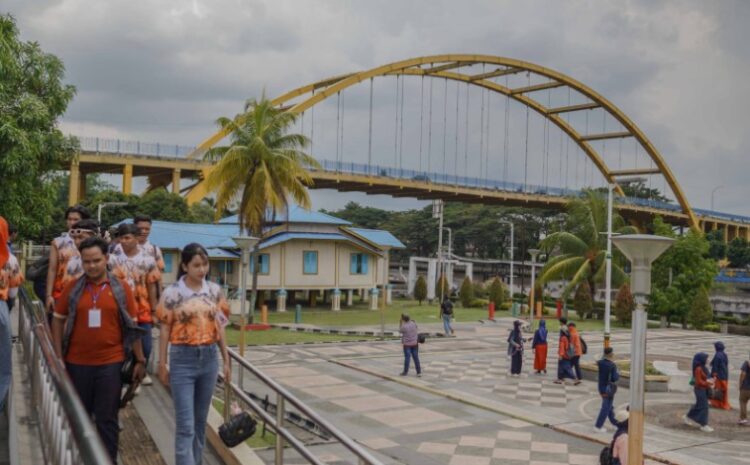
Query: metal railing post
pixel 279 456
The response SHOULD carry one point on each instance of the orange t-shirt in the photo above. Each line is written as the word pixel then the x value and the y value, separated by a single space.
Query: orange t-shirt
pixel 95 346
pixel 575 339
pixel 138 271
pixel 196 317
pixel 10 277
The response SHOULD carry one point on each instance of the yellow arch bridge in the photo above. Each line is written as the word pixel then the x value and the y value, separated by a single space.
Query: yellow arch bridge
pixel 527 86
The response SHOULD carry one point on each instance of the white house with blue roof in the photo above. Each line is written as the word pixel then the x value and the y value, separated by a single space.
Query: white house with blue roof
pixel 301 253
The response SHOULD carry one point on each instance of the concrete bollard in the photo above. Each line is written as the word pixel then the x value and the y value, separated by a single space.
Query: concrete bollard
pixel 281 301
pixel 388 294
pixel 264 314
pixel 336 300
pixel 349 297
pixel 297 314
pixel 374 298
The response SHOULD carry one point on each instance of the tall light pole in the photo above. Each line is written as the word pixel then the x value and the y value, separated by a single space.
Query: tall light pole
pixel 641 250
pixel 245 243
pixel 511 258
pixel 446 262
pixel 437 212
pixel 104 205
pixel 608 268
pixel 712 195
pixel 534 253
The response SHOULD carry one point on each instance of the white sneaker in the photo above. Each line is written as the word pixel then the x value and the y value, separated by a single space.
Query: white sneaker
pixel 687 421
pixel 601 430
pixel 707 429
pixel 138 390
pixel 147 381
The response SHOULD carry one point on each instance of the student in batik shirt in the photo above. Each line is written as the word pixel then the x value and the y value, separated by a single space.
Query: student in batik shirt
pixel 192 313
pixel 144 227
pixel 61 251
pixel 79 232
pixel 10 278
pixel 129 263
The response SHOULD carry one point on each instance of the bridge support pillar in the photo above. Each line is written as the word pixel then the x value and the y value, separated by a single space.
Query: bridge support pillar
pixel 75 183
pixel 176 180
pixel 127 179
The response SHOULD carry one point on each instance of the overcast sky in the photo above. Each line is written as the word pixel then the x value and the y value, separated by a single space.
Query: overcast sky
pixel 164 70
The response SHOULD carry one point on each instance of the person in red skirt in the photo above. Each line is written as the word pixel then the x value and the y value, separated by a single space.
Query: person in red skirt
pixel 539 345
pixel 720 373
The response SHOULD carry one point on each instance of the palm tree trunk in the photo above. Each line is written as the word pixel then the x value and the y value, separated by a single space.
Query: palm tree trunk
pixel 254 288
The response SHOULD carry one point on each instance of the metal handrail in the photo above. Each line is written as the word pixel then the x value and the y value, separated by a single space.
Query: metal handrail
pixel 67 434
pixel 283 396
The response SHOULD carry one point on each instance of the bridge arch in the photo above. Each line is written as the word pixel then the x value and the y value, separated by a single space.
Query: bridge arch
pixel 444 67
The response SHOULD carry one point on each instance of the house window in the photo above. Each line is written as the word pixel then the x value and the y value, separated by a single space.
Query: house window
pixel 310 262
pixel 167 257
pixel 226 266
pixel 358 263
pixel 263 261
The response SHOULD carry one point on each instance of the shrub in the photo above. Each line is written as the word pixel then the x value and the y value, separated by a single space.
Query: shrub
pixel 624 305
pixel 505 306
pixel 715 327
pixel 467 292
pixel 497 293
pixel 479 303
pixel 700 313
pixel 480 291
pixel 420 289
pixel 582 301
pixel 446 287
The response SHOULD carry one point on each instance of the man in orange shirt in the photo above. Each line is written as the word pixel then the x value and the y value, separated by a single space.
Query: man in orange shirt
pixel 92 327
pixel 575 361
pixel 131 264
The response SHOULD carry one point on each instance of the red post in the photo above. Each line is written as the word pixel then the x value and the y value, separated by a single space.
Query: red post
pixel 559 309
pixel 491 309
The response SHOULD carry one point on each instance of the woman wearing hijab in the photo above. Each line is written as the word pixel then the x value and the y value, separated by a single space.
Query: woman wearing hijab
pixel 720 374
pixel 699 412
pixel 10 279
pixel 515 349
pixel 539 345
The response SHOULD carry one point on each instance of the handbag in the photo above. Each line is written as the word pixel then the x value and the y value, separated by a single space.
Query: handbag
pixel 236 428
pixel 421 338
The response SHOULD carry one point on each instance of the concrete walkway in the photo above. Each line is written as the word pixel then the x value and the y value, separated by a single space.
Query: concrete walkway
pixel 466 409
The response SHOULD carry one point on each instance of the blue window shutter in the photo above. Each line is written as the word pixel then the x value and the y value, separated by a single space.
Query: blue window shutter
pixel 263 260
pixel 364 263
pixel 353 264
pixel 310 260
pixel 167 262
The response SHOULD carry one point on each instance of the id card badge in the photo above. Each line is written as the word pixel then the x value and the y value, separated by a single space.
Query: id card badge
pixel 95 318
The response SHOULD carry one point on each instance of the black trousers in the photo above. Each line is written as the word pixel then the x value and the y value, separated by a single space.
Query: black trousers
pixel 576 362
pixel 99 387
pixel 516 362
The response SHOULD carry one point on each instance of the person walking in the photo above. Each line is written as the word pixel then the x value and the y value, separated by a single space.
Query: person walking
pixel 93 327
pixel 192 313
pixel 410 341
pixel 698 413
pixel 619 445
pixel 61 250
pixel 446 313
pixel 539 346
pixel 515 349
pixel 144 223
pixel 744 391
pixel 565 352
pixel 80 231
pixel 11 278
pixel 608 377
pixel 720 374
pixel 575 340
pixel 131 264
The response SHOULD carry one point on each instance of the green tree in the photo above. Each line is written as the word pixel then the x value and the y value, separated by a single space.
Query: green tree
pixel 362 217
pixel 32 148
pixel 467 292
pixel 717 248
pixel 443 286
pixel 420 289
pixel 738 253
pixel 582 301
pixel 624 305
pixel 202 212
pixel 579 251
pixel 160 204
pixel 497 292
pixel 700 313
pixel 679 273
pixel 264 166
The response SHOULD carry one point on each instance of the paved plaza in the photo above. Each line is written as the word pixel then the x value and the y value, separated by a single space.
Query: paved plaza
pixel 467 410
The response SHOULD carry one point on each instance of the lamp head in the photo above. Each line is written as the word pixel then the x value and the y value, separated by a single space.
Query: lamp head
pixel 245 242
pixel 641 250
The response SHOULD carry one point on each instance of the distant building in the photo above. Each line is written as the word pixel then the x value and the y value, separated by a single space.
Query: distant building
pixel 300 252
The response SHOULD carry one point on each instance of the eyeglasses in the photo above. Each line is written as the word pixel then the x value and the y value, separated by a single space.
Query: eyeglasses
pixel 81 232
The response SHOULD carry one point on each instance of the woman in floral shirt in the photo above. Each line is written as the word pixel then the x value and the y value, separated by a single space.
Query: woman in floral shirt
pixel 193 313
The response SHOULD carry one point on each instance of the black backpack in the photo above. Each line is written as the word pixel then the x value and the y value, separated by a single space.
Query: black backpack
pixel 605 456
pixel 584 346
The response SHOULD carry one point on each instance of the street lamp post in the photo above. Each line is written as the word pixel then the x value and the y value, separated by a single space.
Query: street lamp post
pixel 712 195
pixel 104 205
pixel 608 269
pixel 641 250
pixel 534 253
pixel 445 263
pixel 245 243
pixel 511 259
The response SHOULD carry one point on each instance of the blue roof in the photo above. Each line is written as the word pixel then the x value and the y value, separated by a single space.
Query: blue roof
pixel 296 214
pixel 169 235
pixel 288 236
pixel 378 237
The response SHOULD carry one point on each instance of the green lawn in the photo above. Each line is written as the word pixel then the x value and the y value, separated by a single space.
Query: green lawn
pixel 282 336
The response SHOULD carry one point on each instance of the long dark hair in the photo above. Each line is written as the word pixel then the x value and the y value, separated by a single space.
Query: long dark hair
pixel 190 251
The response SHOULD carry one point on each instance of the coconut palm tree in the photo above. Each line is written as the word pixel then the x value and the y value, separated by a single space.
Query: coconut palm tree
pixel 263 167
pixel 578 253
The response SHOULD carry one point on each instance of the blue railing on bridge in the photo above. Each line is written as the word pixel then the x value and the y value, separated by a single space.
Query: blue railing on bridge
pixel 102 145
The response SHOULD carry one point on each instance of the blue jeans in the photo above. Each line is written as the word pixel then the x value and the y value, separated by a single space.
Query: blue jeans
pixel 192 377
pixel 146 340
pixel 6 369
pixel 411 352
pixel 447 324
pixel 606 411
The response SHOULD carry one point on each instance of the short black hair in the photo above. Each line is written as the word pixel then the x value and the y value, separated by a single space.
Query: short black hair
pixel 91 242
pixel 142 218
pixel 563 321
pixel 572 323
pixel 89 225
pixel 127 228
pixel 80 209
